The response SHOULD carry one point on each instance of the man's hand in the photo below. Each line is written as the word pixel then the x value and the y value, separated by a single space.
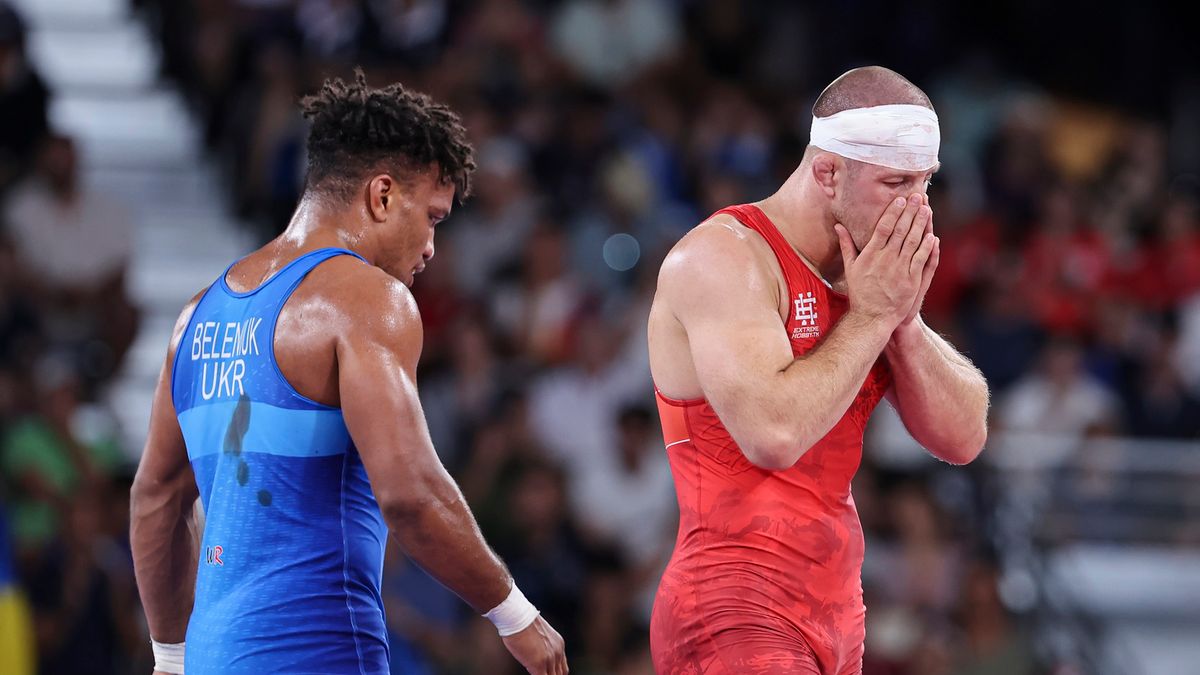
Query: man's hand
pixel 539 648
pixel 885 279
pixel 927 273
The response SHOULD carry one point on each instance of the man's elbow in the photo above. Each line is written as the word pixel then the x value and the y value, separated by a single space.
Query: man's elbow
pixel 141 499
pixel 406 511
pixel 775 452
pixel 965 449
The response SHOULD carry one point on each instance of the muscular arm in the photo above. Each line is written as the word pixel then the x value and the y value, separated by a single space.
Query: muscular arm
pixel 377 361
pixel 162 525
pixel 941 397
pixel 774 405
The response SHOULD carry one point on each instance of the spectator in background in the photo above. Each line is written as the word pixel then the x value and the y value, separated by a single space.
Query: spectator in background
pixel 535 310
pixel 919 568
pixel 20 330
pixel 23 99
pixel 572 408
pixel 423 617
pixel 492 234
pixel 1059 398
pixel 545 552
pixel 992 644
pixel 626 499
pixel 1064 263
pixel 48 459
pixel 1000 333
pixel 75 244
pixel 461 398
pixel 609 42
pixel 1162 406
pixel 82 596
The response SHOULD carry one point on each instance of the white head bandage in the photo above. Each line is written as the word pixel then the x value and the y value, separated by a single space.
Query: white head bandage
pixel 904 137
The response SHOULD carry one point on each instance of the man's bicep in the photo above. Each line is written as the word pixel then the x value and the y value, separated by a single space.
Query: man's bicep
pixel 377 385
pixel 735 335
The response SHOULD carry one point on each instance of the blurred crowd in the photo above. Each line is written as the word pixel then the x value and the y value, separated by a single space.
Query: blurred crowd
pixel 605 129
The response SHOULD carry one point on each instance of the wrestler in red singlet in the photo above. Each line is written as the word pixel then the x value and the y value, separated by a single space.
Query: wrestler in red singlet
pixel 749 340
pixel 783 546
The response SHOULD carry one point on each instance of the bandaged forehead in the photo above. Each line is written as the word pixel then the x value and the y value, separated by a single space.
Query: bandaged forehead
pixel 898 136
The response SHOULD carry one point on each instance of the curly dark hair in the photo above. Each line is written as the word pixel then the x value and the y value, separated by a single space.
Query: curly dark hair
pixel 357 129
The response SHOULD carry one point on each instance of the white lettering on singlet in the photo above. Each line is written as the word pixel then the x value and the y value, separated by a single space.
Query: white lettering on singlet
pixel 222 349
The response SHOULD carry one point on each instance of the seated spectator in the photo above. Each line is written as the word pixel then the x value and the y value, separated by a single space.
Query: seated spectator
pixel 1059 397
pixel 76 244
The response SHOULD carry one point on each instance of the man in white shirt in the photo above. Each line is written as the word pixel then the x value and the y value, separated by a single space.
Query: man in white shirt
pixel 75 245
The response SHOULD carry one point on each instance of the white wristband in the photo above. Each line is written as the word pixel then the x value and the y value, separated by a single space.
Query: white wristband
pixel 168 658
pixel 514 614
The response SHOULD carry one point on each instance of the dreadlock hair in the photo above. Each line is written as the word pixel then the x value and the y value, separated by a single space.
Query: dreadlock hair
pixel 357 129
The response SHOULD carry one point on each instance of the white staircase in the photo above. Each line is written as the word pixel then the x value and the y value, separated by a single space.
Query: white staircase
pixel 138 143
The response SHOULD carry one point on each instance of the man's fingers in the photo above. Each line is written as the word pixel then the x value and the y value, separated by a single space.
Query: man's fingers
pixel 887 224
pixel 916 233
pixel 934 258
pixel 922 255
pixel 904 223
pixel 846 243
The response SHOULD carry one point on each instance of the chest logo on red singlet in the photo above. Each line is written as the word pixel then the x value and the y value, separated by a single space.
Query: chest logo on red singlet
pixel 806 316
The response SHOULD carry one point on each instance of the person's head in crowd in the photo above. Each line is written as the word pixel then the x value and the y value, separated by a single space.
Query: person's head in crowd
pixel 58 164
pixel 984 616
pixel 545 251
pixel 595 343
pixel 59 388
pixel 1059 210
pixel 87 516
pixel 472 349
pixel 538 501
pixel 1180 218
pixel 387 164
pixel 503 174
pixel 915 514
pixel 635 430
pixel 1062 362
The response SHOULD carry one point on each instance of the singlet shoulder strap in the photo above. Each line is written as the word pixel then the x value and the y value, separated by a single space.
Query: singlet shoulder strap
pixel 286 279
pixel 752 217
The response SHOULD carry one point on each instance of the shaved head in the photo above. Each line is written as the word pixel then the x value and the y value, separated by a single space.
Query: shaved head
pixel 867 87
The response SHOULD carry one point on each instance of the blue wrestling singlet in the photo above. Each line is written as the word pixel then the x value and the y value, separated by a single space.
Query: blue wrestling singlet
pixel 292 554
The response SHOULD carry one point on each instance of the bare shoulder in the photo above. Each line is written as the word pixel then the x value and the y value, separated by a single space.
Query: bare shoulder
pixel 719 253
pixel 367 303
pixel 181 323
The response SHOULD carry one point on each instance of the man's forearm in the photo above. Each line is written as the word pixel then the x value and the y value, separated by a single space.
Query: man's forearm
pixel 941 397
pixel 440 534
pixel 165 553
pixel 806 399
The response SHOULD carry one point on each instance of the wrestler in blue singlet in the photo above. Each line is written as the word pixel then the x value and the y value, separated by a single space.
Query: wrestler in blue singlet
pixel 292 555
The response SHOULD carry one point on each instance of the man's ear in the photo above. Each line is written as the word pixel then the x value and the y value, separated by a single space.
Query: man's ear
pixel 381 193
pixel 827 172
